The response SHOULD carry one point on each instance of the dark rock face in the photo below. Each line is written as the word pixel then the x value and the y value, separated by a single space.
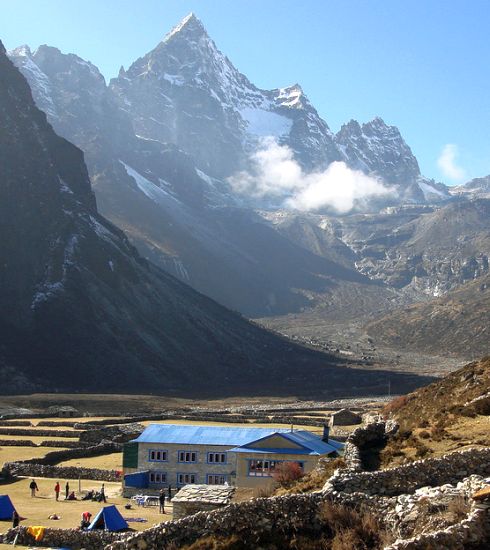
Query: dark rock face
pixel 82 311
pixel 380 150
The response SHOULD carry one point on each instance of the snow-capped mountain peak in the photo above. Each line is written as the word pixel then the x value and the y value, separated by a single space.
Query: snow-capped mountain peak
pixel 290 96
pixel 190 25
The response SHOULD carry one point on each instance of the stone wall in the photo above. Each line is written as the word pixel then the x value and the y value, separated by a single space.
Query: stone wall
pixel 120 433
pixel 362 440
pixel 287 514
pixel 243 519
pixel 450 468
pixel 36 432
pixel 66 538
pixel 17 443
pixel 55 457
pixel 47 443
pixel 475 528
pixel 60 472
pixel 184 509
pixel 63 444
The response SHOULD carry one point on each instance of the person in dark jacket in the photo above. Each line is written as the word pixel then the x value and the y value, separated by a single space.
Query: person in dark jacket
pixel 15 519
pixel 161 500
pixel 33 487
pixel 67 490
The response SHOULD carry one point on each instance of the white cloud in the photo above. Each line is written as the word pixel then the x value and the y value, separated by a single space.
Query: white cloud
pixel 447 163
pixel 275 174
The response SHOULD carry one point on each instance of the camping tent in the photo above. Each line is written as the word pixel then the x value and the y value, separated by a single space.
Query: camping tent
pixel 110 519
pixel 6 507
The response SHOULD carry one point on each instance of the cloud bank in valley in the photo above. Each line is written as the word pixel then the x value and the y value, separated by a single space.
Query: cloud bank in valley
pixel 447 163
pixel 275 174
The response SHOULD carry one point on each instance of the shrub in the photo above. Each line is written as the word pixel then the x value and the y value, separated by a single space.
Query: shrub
pixel 395 405
pixel 264 492
pixel 422 451
pixel 287 473
pixel 438 431
pixel 424 434
pixel 352 529
pixel 459 508
pixel 314 480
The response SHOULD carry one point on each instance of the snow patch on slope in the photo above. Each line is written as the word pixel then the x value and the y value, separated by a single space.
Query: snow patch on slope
pixel 265 123
pixel 152 191
pixel 429 191
pixel 22 59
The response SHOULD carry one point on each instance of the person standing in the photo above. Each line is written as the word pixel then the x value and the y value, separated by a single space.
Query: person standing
pixel 67 490
pixel 15 519
pixel 33 487
pixel 169 492
pixel 102 493
pixel 57 490
pixel 161 499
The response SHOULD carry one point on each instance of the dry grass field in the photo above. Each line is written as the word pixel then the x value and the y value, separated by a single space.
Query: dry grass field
pixel 13 454
pixel 105 462
pixel 36 510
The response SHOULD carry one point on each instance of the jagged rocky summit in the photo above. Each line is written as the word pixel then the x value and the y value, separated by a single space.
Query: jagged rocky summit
pixel 186 92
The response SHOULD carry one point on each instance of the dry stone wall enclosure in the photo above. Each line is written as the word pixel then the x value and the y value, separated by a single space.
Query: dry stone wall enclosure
pixel 60 472
pixel 451 468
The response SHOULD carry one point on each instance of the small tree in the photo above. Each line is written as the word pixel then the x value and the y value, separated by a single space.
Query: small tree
pixel 286 473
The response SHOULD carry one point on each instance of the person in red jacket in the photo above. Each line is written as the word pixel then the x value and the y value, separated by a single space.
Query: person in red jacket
pixel 57 489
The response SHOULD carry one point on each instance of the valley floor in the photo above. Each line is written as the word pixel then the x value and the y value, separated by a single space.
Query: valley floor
pixel 348 339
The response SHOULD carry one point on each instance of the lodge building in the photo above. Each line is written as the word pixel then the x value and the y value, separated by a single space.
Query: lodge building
pixel 177 455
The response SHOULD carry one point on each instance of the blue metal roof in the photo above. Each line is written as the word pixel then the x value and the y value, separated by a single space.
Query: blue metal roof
pixel 203 435
pixel 313 442
pixel 311 445
pixel 272 450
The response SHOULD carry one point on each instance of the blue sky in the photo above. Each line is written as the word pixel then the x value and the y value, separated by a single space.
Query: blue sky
pixel 422 65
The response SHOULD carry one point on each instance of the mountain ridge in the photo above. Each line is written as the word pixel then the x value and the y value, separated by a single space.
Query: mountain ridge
pixel 82 310
pixel 191 222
